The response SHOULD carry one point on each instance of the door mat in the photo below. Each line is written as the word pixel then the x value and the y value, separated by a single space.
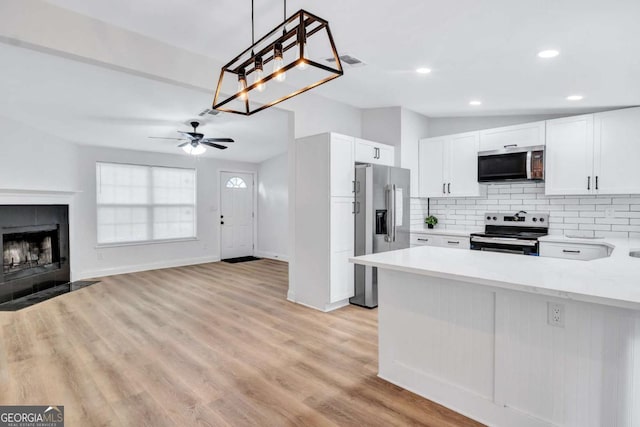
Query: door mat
pixel 29 300
pixel 240 259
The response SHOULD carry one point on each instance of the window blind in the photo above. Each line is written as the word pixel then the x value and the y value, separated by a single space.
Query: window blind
pixel 145 203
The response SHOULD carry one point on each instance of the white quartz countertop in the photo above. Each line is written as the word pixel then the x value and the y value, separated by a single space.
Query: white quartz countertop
pixel 444 231
pixel 614 280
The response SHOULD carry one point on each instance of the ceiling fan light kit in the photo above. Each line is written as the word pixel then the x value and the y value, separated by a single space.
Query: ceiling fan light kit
pixel 283 53
pixel 195 142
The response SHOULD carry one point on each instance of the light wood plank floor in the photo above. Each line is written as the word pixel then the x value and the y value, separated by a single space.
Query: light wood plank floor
pixel 208 345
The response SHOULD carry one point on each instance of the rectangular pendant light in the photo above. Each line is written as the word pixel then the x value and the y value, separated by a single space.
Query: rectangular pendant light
pixel 279 66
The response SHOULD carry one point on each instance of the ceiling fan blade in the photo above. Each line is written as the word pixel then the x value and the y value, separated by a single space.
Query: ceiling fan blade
pixel 160 137
pixel 184 144
pixel 211 144
pixel 218 140
pixel 191 135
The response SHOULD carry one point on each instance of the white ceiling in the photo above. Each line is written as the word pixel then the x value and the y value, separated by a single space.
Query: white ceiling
pixel 477 49
pixel 93 105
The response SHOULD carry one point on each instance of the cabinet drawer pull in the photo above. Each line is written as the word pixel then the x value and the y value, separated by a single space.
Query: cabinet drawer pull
pixel 423 240
pixel 588 183
pixel 567 251
pixel 510 145
pixel 453 242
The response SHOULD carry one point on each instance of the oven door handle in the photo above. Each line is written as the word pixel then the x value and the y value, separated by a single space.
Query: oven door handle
pixel 528 164
pixel 512 242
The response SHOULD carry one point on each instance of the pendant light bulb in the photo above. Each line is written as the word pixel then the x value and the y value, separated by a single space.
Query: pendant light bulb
pixel 278 63
pixel 242 85
pixel 259 74
pixel 303 65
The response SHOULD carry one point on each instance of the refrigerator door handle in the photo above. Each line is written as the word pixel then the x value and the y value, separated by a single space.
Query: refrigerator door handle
pixel 390 213
pixel 393 190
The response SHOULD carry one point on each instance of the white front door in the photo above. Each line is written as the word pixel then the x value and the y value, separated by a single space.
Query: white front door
pixel 236 214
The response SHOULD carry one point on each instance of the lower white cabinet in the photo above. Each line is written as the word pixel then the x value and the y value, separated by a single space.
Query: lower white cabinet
pixel 342 231
pixel 440 240
pixel 583 252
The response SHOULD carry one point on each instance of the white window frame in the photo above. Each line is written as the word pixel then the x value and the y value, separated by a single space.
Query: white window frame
pixel 149 206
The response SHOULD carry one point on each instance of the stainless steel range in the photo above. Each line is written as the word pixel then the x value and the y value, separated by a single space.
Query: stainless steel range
pixel 512 233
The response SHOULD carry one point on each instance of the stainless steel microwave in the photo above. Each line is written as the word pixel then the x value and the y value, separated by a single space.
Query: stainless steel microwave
pixel 511 164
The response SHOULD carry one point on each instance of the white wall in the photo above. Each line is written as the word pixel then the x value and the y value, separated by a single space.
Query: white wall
pixel 384 125
pixel 91 261
pixel 439 126
pixel 273 208
pixel 414 127
pixel 31 159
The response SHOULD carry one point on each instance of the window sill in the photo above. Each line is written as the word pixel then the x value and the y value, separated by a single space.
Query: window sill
pixel 145 242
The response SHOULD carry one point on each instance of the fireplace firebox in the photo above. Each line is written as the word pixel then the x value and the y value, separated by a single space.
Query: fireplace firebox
pixel 35 249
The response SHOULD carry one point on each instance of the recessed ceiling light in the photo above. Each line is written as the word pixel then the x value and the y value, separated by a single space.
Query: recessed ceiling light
pixel 575 97
pixel 423 70
pixel 475 103
pixel 551 53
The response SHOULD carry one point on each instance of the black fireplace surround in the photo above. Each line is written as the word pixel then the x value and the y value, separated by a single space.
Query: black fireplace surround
pixel 35 249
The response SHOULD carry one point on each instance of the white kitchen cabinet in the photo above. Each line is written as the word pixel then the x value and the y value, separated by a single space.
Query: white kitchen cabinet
pixel 440 240
pixel 518 136
pixel 342 231
pixel 583 252
pixel 569 156
pixel 449 166
pixel 463 165
pixel 431 167
pixel 322 276
pixel 421 239
pixel 594 154
pixel 341 164
pixel 617 151
pixel 374 152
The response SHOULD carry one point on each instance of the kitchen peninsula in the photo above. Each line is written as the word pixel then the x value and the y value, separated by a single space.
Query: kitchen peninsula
pixel 514 340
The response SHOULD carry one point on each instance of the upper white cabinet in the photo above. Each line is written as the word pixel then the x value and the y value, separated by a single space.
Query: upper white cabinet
pixel 374 152
pixel 518 136
pixel 594 153
pixel 617 151
pixel 569 156
pixel 342 165
pixel 449 166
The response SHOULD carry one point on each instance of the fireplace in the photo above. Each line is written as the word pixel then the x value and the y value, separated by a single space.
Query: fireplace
pixel 35 249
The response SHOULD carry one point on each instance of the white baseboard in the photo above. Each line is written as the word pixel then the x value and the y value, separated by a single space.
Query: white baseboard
pixel 90 274
pixel 327 308
pixel 272 255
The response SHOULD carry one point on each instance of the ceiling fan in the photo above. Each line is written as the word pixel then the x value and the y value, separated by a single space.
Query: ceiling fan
pixel 194 142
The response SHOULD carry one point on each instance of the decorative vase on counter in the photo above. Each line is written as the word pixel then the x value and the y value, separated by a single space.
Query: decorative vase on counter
pixel 430 226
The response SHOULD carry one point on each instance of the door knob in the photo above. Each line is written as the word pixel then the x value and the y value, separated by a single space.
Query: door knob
pixel 222 222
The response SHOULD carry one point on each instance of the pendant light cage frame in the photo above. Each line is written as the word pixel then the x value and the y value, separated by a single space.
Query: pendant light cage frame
pixel 293 33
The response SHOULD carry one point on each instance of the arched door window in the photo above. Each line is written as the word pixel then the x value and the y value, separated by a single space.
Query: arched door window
pixel 236 182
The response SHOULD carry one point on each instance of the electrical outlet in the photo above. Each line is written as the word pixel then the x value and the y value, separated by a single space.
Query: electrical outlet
pixel 555 314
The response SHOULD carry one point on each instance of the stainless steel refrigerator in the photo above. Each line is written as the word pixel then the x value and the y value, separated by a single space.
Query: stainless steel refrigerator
pixel 381 222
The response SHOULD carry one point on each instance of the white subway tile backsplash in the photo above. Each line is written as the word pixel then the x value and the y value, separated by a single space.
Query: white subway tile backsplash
pixel 599 216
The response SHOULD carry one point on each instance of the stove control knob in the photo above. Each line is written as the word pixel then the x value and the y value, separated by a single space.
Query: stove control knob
pixel 535 219
pixel 489 218
pixel 541 219
pixel 495 218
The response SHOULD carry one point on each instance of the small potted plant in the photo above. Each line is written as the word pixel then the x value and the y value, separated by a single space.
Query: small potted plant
pixel 431 221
